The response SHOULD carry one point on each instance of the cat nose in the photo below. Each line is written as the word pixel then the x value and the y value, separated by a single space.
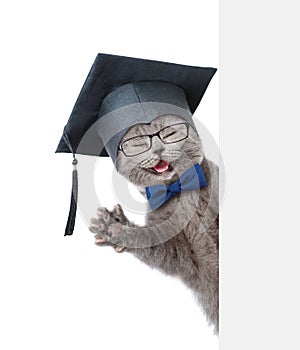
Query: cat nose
pixel 157 145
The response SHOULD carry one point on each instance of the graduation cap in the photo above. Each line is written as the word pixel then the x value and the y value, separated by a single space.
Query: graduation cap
pixel 120 92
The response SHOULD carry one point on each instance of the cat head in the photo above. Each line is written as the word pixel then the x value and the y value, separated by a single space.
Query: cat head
pixel 147 161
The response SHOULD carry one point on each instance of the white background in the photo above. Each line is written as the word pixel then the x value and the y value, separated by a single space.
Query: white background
pixel 259 140
pixel 64 292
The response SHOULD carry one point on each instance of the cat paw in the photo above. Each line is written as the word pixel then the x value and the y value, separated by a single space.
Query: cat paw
pixel 108 227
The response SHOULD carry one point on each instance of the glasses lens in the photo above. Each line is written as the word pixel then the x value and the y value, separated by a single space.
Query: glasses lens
pixel 174 133
pixel 136 145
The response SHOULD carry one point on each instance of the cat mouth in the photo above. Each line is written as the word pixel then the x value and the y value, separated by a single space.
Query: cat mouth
pixel 162 167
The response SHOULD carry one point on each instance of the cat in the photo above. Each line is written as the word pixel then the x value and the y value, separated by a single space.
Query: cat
pixel 181 237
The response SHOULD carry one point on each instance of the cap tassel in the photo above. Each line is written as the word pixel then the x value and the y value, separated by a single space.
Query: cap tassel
pixel 74 194
pixel 73 205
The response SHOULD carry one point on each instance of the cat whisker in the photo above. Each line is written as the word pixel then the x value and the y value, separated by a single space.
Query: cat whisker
pixel 150 161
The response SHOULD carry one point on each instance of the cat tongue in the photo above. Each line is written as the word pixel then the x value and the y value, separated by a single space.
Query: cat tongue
pixel 161 166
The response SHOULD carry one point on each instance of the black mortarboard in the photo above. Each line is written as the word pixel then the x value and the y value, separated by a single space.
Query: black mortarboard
pixel 120 92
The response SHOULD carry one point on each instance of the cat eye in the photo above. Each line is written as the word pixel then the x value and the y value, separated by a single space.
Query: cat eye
pixel 140 144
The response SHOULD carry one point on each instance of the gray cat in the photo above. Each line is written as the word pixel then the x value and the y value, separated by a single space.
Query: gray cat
pixel 181 237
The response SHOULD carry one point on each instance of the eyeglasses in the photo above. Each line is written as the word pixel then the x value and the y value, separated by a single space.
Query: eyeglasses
pixel 140 144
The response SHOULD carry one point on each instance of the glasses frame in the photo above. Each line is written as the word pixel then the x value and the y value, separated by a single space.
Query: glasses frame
pixel 151 137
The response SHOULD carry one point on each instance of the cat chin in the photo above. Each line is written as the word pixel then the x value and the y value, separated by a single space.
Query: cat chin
pixel 176 168
pixel 151 177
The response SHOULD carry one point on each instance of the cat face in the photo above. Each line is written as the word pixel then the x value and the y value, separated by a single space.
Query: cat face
pixel 163 162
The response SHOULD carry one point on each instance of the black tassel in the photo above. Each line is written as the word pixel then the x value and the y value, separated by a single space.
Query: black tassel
pixel 73 206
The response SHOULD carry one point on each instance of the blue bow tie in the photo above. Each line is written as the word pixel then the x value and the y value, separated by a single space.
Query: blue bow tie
pixel 191 179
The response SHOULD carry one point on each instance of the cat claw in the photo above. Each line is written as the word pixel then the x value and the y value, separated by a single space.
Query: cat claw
pixel 119 249
pixel 100 240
